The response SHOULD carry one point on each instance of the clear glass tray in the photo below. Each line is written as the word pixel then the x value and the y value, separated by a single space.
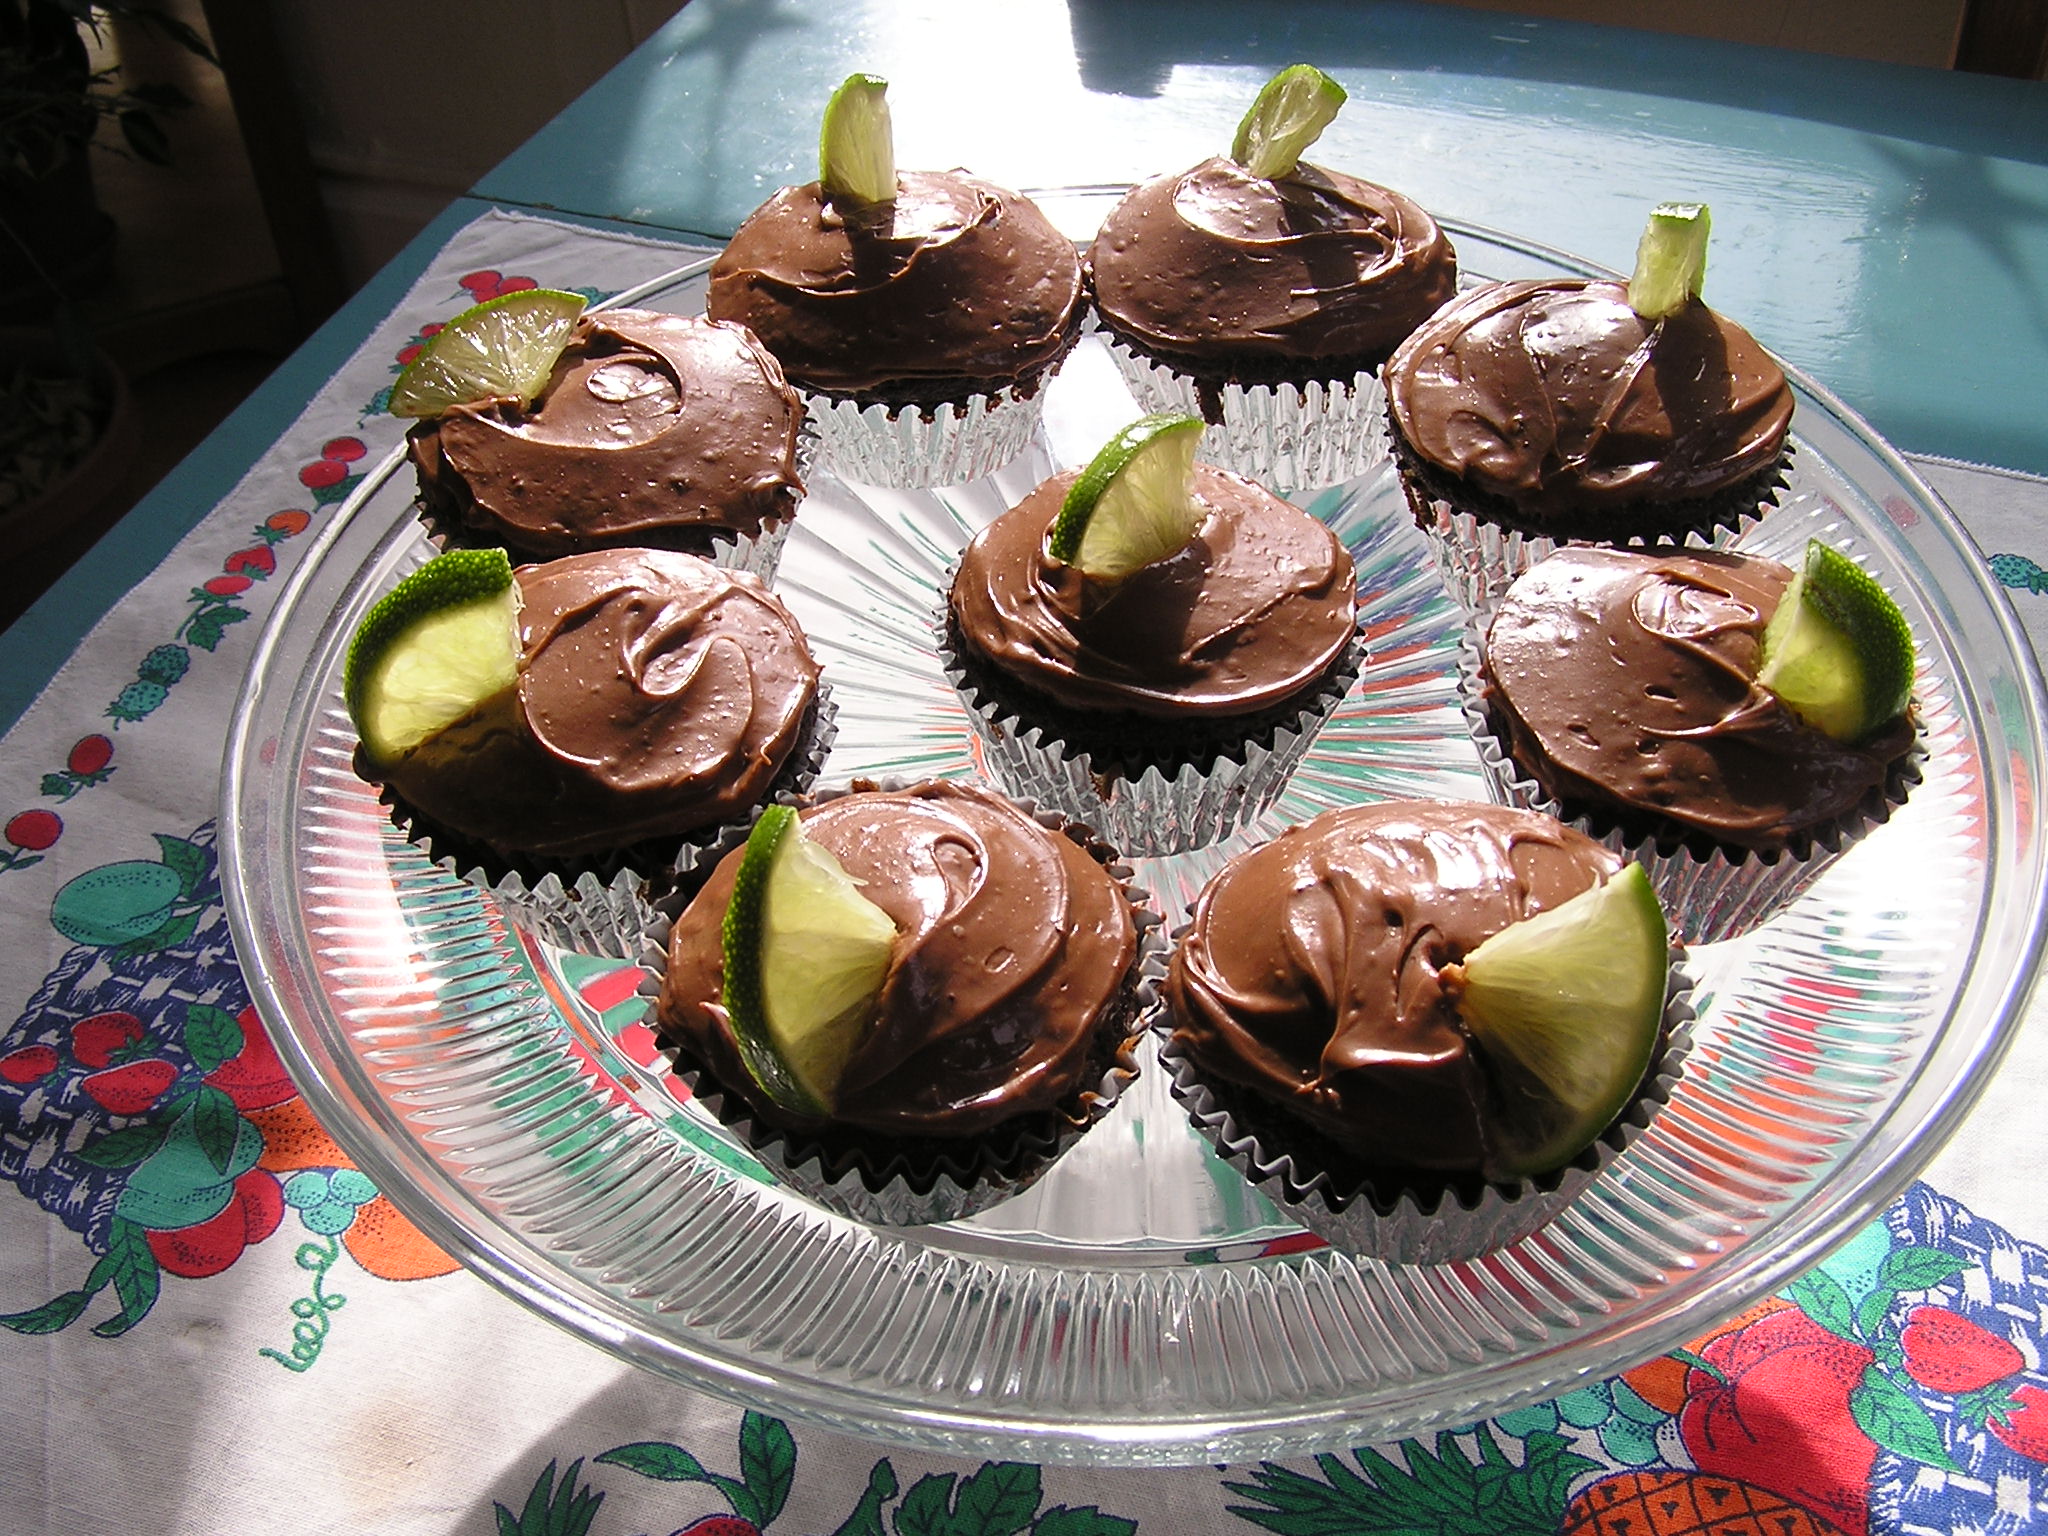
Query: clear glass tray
pixel 1141 1305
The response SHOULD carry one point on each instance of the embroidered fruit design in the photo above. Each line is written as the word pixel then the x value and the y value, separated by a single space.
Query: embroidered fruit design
pixel 1949 1353
pixel 1687 1504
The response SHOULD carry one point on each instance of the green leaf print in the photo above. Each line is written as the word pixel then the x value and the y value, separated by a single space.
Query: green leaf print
pixel 550 1510
pixel 124 1148
pixel 212 1036
pixel 1084 1520
pixel 188 860
pixel 1919 1269
pixel 1884 1411
pixel 866 1519
pixel 135 1277
pixel 767 1463
pixel 999 1500
pixel 52 1316
pixel 1821 1298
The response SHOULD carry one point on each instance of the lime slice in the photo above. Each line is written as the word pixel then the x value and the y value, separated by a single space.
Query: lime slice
pixel 500 350
pixel 1291 113
pixel 1135 501
pixel 434 648
pixel 805 958
pixel 1671 260
pixel 856 149
pixel 1838 652
pixel 1573 998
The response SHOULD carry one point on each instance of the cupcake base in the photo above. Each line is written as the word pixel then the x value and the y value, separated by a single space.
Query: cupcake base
pixel 1410 1220
pixel 1482 543
pixel 1710 891
pixel 1149 786
pixel 1286 433
pixel 601 905
pixel 916 1181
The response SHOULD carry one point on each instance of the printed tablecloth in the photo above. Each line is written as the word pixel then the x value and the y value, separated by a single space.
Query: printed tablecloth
pixel 213 1323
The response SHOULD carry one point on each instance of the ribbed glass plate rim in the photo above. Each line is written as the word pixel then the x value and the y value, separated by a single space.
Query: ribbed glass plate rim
pixel 2003 719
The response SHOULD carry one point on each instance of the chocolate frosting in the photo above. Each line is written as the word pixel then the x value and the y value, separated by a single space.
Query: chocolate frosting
pixel 1255 610
pixel 1628 680
pixel 1311 971
pixel 1214 264
pixel 1561 399
pixel 1012 943
pixel 653 430
pixel 658 694
pixel 956 283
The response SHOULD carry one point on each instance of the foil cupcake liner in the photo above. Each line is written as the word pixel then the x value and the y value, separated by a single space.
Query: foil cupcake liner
pixel 912 447
pixel 602 905
pixel 1438 1225
pixel 1710 891
pixel 1288 436
pixel 1157 810
pixel 868 1178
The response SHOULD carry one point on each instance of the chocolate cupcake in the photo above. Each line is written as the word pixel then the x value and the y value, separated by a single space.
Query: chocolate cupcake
pixel 653 431
pixel 920 320
pixel 1167 707
pixel 1319 1038
pixel 1002 1027
pixel 1267 304
pixel 647 706
pixel 1620 690
pixel 1528 415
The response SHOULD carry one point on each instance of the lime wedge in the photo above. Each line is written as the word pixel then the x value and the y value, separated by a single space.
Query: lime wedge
pixel 805 958
pixel 500 350
pixel 434 648
pixel 1135 501
pixel 1838 652
pixel 1572 998
pixel 1290 114
pixel 856 149
pixel 1671 260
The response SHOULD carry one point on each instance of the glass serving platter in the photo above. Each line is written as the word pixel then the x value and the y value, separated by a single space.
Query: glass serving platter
pixel 1141 1305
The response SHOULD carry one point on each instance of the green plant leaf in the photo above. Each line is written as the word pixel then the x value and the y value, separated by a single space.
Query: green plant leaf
pixel 124 1148
pixel 767 1462
pixel 212 1036
pixel 145 135
pixel 1884 1411
pixel 866 1519
pixel 135 1275
pixel 1820 1296
pixel 1919 1269
pixel 999 1500
pixel 927 1509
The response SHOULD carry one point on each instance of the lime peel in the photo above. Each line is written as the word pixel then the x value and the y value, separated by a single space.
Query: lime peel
pixel 1838 652
pixel 1671 260
pixel 1134 504
pixel 503 349
pixel 432 649
pixel 856 144
pixel 1573 998
pixel 805 959
pixel 1291 112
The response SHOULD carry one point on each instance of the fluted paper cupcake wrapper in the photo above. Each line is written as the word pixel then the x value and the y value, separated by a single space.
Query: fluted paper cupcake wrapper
pixel 1156 812
pixel 758 554
pixel 867 1177
pixel 602 905
pixel 1286 436
pixel 1433 1226
pixel 1708 894
pixel 912 447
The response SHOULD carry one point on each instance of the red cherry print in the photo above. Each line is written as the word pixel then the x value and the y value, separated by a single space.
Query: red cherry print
pixel 2025 1428
pixel 322 473
pixel 95 1040
pixel 30 1064
pixel 34 830
pixel 89 754
pixel 1949 1353
pixel 290 524
pixel 432 328
pixel 228 586
pixel 516 285
pixel 481 284
pixel 406 354
pixel 344 450
pixel 132 1088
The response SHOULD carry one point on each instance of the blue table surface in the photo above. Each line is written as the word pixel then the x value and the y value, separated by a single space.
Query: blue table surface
pixel 1884 228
